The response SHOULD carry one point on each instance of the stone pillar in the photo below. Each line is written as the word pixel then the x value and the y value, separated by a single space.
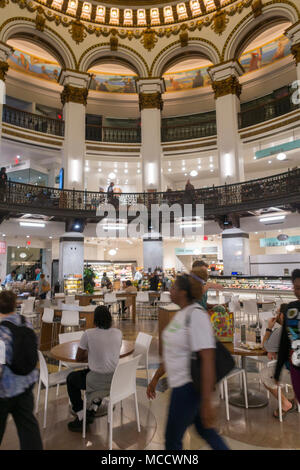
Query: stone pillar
pixel 151 105
pixel 293 34
pixel 236 252
pixel 225 83
pixel 74 99
pixel 5 52
pixel 71 256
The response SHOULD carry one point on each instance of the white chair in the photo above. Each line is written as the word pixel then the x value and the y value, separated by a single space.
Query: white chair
pixel 48 380
pixel 224 386
pixel 27 310
pixel 165 298
pixel 141 347
pixel 48 317
pixel 70 299
pixel 69 319
pixel 110 300
pixel 59 296
pixel 279 388
pixel 123 385
pixel 65 338
pixel 143 304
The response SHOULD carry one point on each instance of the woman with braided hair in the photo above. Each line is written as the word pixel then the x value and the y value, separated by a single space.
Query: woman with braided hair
pixel 189 331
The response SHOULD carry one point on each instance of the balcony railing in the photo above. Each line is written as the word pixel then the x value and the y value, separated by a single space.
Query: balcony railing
pixel 31 121
pixel 195 130
pixel 272 109
pixel 93 132
pixel 124 135
pixel 279 189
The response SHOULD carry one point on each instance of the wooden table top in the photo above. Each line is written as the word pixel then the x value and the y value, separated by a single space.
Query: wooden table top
pixel 246 352
pixel 66 352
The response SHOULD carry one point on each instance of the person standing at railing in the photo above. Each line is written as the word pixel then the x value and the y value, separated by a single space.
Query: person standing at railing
pixel 189 192
pixel 3 182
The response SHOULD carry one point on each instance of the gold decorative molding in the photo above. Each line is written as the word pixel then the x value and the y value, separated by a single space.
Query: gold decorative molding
pixel 77 31
pixel 220 22
pixel 228 86
pixel 114 43
pixel 184 38
pixel 74 94
pixel 295 50
pixel 257 8
pixel 3 70
pixel 209 143
pixel 29 137
pixel 150 101
pixel 40 21
pixel 149 39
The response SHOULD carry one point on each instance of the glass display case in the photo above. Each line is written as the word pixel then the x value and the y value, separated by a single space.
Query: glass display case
pixel 271 284
pixel 115 271
pixel 73 284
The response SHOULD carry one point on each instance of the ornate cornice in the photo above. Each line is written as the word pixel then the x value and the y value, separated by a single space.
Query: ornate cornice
pixel 295 50
pixel 3 70
pixel 228 86
pixel 150 101
pixel 216 18
pixel 74 94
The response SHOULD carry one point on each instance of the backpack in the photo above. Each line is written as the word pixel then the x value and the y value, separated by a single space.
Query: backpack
pixel 25 348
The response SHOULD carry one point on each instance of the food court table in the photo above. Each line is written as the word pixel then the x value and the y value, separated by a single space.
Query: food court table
pixel 255 399
pixel 66 352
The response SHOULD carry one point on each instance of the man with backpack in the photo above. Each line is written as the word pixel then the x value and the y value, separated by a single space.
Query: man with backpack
pixel 18 373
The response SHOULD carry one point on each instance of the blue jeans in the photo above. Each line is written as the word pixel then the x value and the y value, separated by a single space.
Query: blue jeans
pixel 183 412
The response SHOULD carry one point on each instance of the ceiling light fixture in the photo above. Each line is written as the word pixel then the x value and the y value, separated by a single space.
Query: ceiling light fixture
pixel 281 156
pixel 32 224
pixel 194 173
pixel 271 219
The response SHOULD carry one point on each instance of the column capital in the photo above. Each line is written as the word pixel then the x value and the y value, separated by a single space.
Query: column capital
pixel 5 51
pixel 225 78
pixel 3 70
pixel 150 101
pixel 75 86
pixel 151 85
pixel 293 33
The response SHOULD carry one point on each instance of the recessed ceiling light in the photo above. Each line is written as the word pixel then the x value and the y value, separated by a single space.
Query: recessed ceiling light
pixel 183 168
pixel 126 170
pixel 199 167
pixel 32 224
pixel 111 175
pixel 211 171
pixel 27 236
pixel 50 237
pixel 138 171
pixel 194 173
pixel 185 174
pixel 211 165
pixel 99 169
pixel 272 218
pixel 270 161
pixel 170 169
pixel 281 156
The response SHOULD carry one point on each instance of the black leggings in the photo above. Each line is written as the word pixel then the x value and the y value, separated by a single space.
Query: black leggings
pixel 21 409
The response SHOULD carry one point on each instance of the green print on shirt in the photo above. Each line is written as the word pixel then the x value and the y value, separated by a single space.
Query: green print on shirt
pixel 174 327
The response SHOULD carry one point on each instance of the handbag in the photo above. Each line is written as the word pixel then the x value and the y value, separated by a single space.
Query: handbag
pixel 223 360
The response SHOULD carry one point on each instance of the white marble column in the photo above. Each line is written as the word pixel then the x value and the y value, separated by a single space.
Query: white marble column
pixel 5 52
pixel 151 104
pixel 293 34
pixel 236 252
pixel 74 99
pixel 225 82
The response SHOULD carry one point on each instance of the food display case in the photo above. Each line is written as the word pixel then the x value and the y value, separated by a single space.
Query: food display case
pixel 255 284
pixel 73 284
pixel 116 272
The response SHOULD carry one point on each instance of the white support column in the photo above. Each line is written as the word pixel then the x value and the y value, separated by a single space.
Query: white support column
pixel 5 52
pixel 151 105
pixel 293 34
pixel 227 92
pixel 74 99
pixel 236 252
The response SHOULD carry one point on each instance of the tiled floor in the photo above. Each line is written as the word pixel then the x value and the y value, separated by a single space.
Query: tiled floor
pixel 247 429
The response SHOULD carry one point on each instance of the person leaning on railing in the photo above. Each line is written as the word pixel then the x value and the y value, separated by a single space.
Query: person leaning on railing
pixel 3 182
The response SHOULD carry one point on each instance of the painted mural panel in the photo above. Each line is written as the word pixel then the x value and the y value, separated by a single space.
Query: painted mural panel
pixel 112 83
pixel 34 66
pixel 179 81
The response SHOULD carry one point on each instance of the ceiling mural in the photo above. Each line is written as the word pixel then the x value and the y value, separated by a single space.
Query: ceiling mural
pixel 181 80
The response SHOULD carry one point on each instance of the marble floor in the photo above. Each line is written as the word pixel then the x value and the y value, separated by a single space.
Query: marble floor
pixel 247 429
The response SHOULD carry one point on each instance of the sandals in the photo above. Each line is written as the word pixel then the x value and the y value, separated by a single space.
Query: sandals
pixel 284 413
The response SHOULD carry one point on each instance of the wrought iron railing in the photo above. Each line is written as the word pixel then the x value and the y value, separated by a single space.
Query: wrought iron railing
pixel 282 188
pixel 93 132
pixel 193 130
pixel 272 109
pixel 124 135
pixel 32 121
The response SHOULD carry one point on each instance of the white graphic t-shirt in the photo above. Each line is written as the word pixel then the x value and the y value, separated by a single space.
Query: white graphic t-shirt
pixel 179 340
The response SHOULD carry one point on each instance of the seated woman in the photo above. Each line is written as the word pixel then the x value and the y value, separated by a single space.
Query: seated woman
pixel 101 347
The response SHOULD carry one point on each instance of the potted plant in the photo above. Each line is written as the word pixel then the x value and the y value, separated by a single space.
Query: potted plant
pixel 88 278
